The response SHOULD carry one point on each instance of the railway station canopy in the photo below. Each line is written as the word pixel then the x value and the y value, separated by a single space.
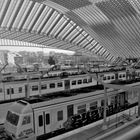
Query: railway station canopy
pixel 107 28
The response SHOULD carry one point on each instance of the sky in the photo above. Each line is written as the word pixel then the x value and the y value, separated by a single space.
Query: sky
pixel 34 49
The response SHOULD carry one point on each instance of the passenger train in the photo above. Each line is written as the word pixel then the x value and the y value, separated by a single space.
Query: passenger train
pixel 16 88
pixel 38 119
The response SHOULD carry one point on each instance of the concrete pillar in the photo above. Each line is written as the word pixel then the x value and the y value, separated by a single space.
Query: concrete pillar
pixel 39 85
pixel 27 90
pixel 138 104
pixel 105 102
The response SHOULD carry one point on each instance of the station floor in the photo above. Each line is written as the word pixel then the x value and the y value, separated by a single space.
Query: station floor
pixel 94 132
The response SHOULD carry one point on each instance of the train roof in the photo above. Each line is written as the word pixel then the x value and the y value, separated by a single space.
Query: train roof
pixel 44 102
pixel 37 102
pixel 82 73
pixel 21 107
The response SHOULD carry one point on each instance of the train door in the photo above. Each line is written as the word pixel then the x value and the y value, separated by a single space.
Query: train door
pixel 27 92
pixel 116 76
pixel 8 94
pixel 67 84
pixel 40 123
pixel 47 122
pixel 70 111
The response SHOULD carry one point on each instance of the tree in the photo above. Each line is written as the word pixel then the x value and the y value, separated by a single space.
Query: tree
pixel 51 60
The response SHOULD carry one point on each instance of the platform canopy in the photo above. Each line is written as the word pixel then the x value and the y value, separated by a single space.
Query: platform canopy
pixel 107 28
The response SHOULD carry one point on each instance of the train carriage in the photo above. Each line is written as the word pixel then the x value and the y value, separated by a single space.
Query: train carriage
pixel 19 88
pixel 36 120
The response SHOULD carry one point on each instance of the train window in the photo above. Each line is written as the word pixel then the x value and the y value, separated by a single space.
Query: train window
pixel 47 119
pixel 60 115
pixel 34 88
pixel 26 120
pixel 43 86
pixel 102 102
pixel 93 105
pixel 74 82
pixel 40 120
pixel 112 77
pixel 12 90
pixel 81 109
pixel 108 77
pixel 85 81
pixel 52 85
pixel 55 75
pixel 104 78
pixel 59 84
pixel 123 75
pixel 112 100
pixel 70 110
pixel 79 81
pixel 12 118
pixel 8 91
pixel 0 90
pixel 20 89
pixel 90 79
pixel 120 76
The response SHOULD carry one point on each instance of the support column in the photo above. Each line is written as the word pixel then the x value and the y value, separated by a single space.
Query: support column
pixel 105 102
pixel 39 85
pixel 138 104
pixel 27 88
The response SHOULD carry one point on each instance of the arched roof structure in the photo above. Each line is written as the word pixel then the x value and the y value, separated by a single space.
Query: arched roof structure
pixel 107 28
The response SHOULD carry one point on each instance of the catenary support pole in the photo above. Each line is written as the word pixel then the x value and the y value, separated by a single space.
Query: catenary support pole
pixel 105 103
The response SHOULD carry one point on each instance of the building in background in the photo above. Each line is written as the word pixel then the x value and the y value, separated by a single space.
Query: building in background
pixel 14 58
pixel 3 57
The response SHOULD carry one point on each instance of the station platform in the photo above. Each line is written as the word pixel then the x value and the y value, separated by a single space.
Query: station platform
pixel 95 130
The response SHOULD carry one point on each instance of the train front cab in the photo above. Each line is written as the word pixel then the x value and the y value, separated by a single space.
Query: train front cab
pixel 19 122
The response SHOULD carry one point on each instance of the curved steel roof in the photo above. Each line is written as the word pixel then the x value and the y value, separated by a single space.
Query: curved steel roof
pixel 107 28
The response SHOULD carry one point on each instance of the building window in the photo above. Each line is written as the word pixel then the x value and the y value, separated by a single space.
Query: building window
pixel 34 88
pixel 40 120
pixel 60 115
pixel 59 84
pixel 52 85
pixel 43 86
pixel 20 89
pixel 26 120
pixel 74 82
pixel 47 119
pixel 81 109
pixel 79 81
pixel 93 105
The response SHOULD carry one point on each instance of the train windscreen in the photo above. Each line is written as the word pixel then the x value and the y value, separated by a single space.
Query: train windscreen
pixel 12 118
